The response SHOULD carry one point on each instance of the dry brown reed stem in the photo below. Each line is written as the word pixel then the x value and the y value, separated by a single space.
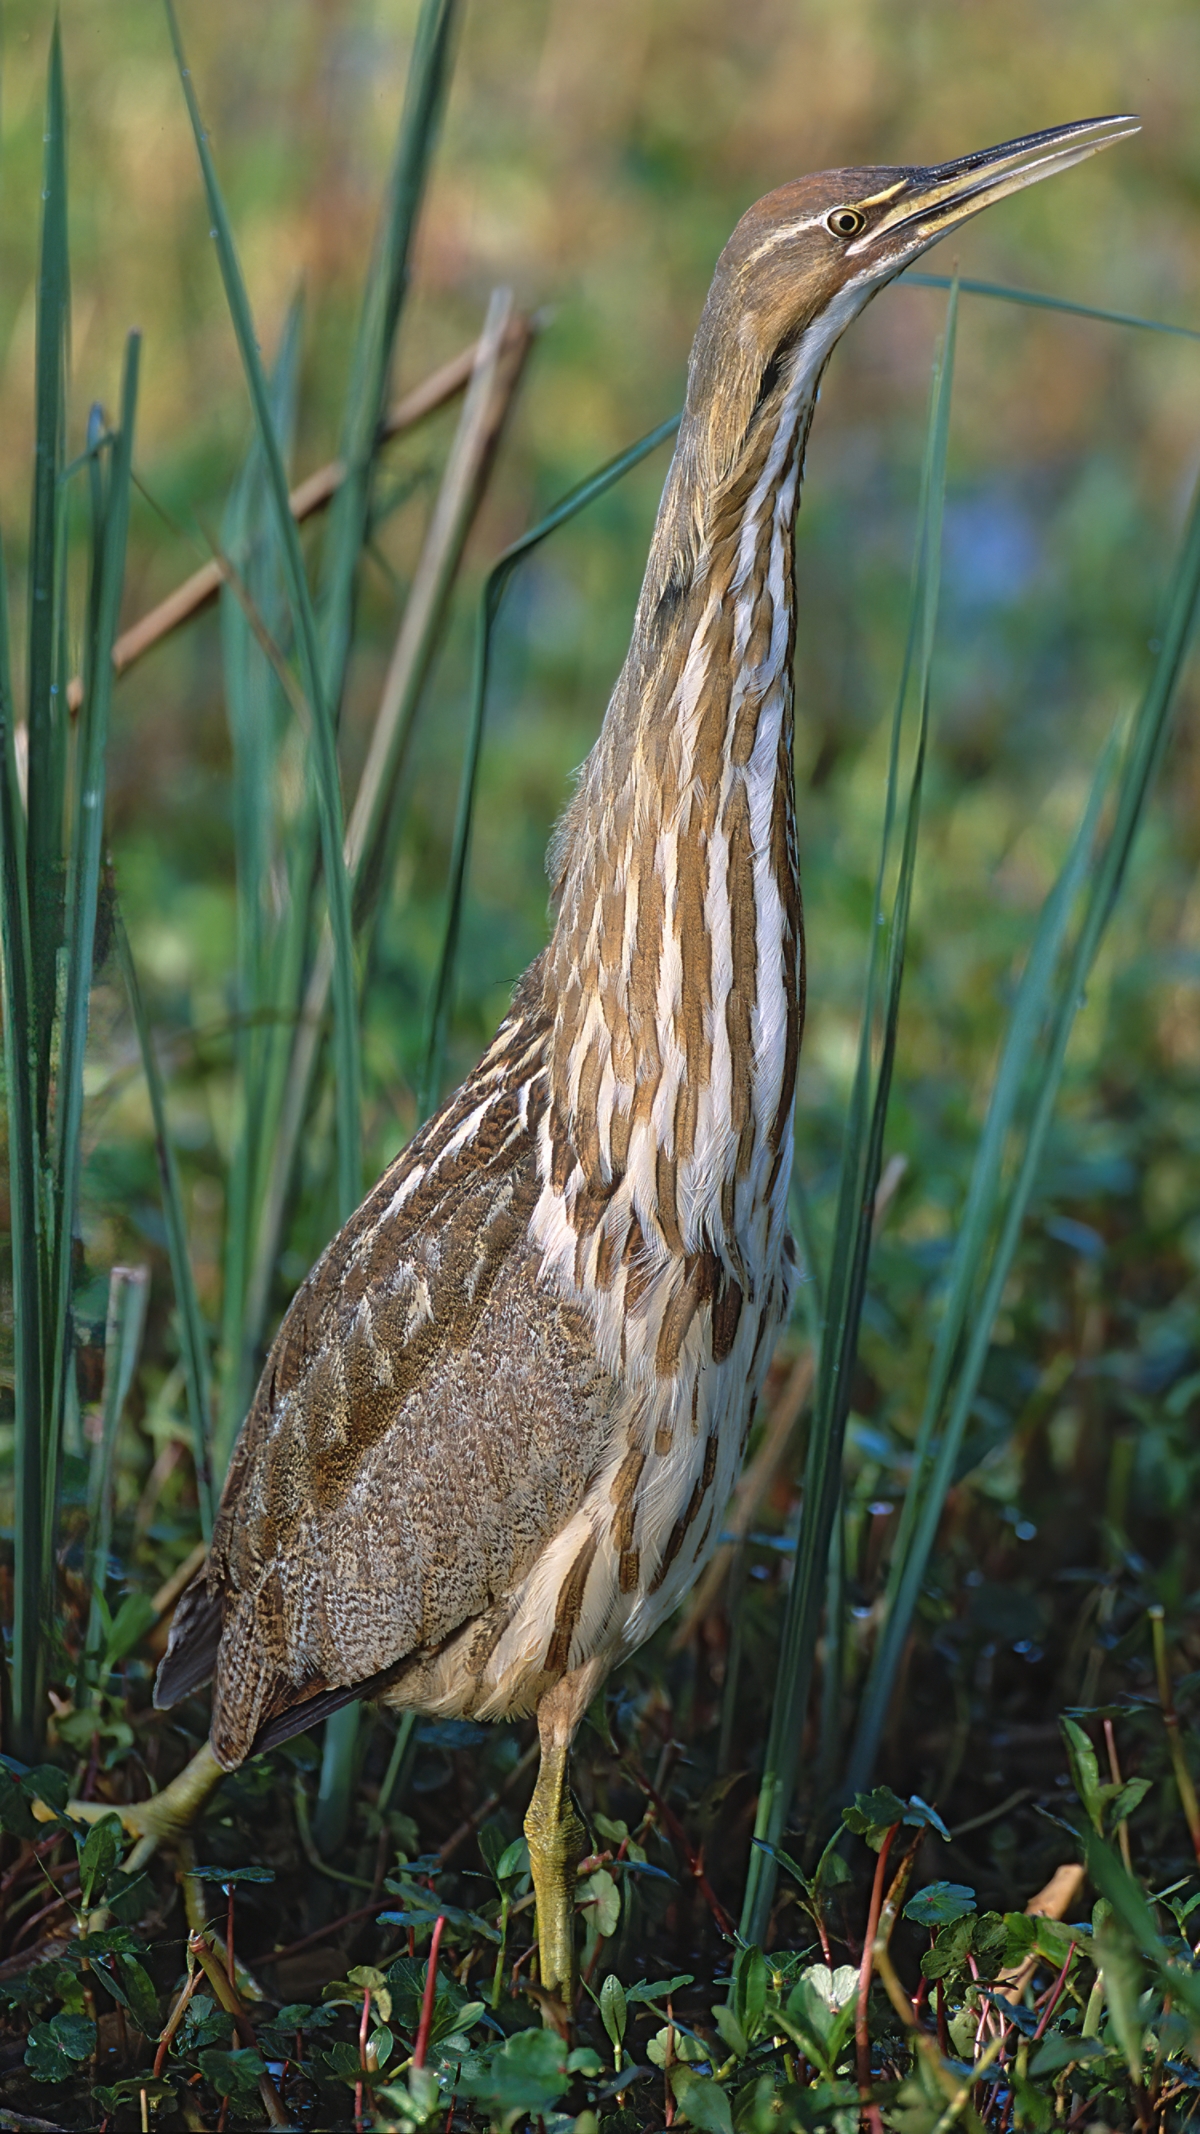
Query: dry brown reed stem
pixel 1114 1772
pixel 227 1998
pixel 499 360
pixel 308 497
pixel 171 1588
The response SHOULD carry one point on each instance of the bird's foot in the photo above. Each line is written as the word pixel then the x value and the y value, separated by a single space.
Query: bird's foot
pixel 164 1818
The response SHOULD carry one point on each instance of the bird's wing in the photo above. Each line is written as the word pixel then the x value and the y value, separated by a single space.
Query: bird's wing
pixel 428 1418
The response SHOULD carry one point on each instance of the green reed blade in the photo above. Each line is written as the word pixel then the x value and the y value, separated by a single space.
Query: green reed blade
pixel 829 1730
pixel 346 1077
pixel 970 1312
pixel 270 947
pixel 110 529
pixel 383 299
pixel 47 717
pixel 567 507
pixel 934 1458
pixel 1038 302
pixel 193 1345
pixel 27 1232
pixel 862 1161
pixel 128 1295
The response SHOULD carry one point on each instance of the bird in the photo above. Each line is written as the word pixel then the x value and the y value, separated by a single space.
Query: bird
pixel 496 1431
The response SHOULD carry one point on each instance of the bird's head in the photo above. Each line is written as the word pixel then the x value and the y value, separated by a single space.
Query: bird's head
pixel 802 263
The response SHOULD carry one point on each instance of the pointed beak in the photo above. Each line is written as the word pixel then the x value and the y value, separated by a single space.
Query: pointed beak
pixel 931 202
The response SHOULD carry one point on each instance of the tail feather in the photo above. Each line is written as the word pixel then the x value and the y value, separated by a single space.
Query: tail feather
pixel 191 1653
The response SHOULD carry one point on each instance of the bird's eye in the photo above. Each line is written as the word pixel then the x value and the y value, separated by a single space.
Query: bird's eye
pixel 845 222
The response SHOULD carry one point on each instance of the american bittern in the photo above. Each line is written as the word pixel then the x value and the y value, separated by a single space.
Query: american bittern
pixel 493 1439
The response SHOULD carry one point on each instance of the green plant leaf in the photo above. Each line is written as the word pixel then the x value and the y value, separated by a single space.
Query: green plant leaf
pixel 1085 1772
pixel 599 1899
pixel 730 2030
pixel 872 1815
pixel 939 1903
pixel 527 2072
pixel 671 2043
pixel 703 2103
pixel 1059 2049
pixel 55 2050
pixel 748 1998
pixel 133 1619
pixel 98 1855
pixel 659 1989
pixel 233 1877
pixel 233 2074
pixel 613 2011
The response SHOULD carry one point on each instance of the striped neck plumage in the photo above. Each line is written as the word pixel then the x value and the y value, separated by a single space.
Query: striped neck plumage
pixel 675 972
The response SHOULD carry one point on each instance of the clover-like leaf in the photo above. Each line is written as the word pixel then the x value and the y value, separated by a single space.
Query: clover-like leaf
pixel 233 2074
pixel 671 2043
pixel 872 1815
pixel 940 1903
pixel 54 2050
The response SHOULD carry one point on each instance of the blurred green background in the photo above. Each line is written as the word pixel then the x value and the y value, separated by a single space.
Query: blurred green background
pixel 595 158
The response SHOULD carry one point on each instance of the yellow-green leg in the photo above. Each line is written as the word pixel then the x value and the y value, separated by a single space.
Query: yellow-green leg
pixel 556 1835
pixel 165 1815
pixel 556 1840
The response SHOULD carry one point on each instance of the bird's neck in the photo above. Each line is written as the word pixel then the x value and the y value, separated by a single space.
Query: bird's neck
pixel 675 973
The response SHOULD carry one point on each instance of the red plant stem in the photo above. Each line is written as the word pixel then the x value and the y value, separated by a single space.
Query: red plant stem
pixel 173 2021
pixel 1056 1993
pixel 229 1970
pixel 862 2038
pixel 362 2060
pixel 695 1864
pixel 422 2045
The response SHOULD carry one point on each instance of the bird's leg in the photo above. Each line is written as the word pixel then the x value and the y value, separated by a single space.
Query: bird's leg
pixel 165 1815
pixel 556 1835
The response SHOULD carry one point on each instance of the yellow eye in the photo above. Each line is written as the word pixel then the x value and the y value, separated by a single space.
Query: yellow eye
pixel 845 222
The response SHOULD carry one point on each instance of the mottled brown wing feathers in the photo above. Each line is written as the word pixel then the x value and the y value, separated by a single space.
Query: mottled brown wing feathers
pixel 427 1419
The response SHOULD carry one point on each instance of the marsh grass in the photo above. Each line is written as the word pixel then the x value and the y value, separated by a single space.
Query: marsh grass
pixel 778 1710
